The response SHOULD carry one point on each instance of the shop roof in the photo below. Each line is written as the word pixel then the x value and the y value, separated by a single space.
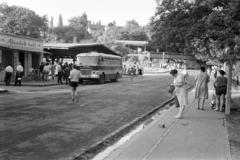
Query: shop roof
pixel 73 49
pixel 133 43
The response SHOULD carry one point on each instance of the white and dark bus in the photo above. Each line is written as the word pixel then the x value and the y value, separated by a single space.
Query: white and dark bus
pixel 99 67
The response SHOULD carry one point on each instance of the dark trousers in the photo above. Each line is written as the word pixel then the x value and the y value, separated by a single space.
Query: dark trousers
pixel 18 79
pixel 8 76
pixel 59 77
pixel 67 80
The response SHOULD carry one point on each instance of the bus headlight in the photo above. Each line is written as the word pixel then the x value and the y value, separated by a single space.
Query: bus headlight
pixel 95 72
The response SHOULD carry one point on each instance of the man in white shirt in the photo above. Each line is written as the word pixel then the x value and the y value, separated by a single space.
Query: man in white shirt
pixel 74 81
pixel 8 75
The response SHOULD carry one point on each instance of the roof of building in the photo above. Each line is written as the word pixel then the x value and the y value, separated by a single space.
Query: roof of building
pixel 133 43
pixel 73 49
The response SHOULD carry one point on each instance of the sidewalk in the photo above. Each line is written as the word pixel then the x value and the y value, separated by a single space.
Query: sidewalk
pixel 199 135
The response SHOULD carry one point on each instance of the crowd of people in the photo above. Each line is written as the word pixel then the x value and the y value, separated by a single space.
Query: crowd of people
pixel 133 70
pixel 59 70
pixel 202 80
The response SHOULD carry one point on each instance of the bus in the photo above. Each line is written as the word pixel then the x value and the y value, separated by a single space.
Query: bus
pixel 99 67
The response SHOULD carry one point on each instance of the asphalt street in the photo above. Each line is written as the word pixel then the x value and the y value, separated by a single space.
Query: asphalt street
pixel 42 123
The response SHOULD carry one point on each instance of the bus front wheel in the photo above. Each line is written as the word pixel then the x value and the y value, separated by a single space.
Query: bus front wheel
pixel 116 78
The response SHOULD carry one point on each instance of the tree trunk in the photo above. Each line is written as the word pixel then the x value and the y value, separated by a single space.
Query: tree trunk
pixel 229 88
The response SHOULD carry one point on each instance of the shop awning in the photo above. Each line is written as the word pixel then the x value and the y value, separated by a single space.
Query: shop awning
pixel 73 49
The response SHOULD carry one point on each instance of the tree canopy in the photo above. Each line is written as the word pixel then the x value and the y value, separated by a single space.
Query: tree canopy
pixel 133 31
pixel 208 28
pixel 22 21
pixel 60 21
pixel 77 29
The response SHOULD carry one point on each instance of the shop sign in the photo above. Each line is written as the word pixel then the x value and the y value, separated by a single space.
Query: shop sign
pixel 20 43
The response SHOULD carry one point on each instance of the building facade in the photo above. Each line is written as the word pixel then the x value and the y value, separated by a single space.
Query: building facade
pixel 14 49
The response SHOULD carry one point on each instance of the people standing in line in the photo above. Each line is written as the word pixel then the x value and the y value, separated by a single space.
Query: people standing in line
pixel 52 70
pixel 59 72
pixel 180 91
pixel 201 83
pixel 19 74
pixel 8 74
pixel 46 70
pixel 140 71
pixel 66 73
pixel 41 70
pixel 220 89
pixel 74 81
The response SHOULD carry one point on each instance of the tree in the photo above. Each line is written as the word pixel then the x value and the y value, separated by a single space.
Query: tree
pixel 221 39
pixel 65 33
pixel 208 29
pixel 133 31
pixel 60 21
pixel 51 23
pixel 172 25
pixel 109 36
pixel 80 24
pixel 22 21
pixel 123 50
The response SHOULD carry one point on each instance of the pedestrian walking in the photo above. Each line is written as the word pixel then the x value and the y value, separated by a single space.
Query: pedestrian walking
pixel 74 81
pixel 8 74
pixel 201 83
pixel 180 91
pixel 220 89
pixel 19 74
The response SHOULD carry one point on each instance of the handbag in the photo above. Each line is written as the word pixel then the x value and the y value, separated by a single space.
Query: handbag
pixel 171 89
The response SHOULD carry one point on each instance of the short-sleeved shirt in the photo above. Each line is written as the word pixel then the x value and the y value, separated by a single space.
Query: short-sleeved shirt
pixel 221 82
pixel 46 69
pixel 19 68
pixel 74 75
pixel 9 69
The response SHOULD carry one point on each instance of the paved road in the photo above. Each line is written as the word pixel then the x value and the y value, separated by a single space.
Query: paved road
pixel 43 124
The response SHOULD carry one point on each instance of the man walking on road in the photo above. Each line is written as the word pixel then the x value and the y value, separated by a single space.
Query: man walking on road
pixel 74 81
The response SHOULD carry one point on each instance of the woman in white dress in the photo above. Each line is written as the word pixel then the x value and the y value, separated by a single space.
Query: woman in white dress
pixel 180 91
pixel 201 93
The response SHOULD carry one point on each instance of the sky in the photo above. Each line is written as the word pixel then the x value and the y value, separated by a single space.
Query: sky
pixel 104 10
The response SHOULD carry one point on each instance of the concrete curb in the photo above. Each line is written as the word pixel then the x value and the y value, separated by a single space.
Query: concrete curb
pixel 34 85
pixel 116 135
pixel 229 155
pixel 3 90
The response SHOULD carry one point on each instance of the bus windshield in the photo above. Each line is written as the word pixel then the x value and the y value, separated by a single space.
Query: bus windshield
pixel 88 60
